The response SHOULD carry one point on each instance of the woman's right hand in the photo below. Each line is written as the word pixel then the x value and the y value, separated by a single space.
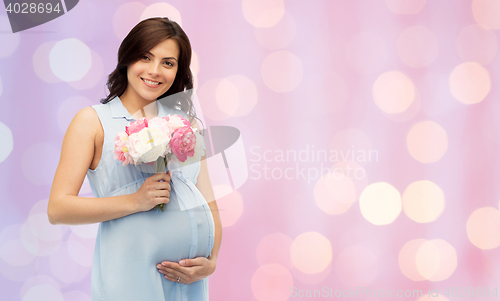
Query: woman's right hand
pixel 153 191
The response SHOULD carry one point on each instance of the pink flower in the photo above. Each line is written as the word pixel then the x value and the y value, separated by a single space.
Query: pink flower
pixel 176 121
pixel 121 150
pixel 183 143
pixel 136 126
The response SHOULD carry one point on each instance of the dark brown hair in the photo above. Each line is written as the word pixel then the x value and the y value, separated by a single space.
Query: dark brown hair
pixel 142 38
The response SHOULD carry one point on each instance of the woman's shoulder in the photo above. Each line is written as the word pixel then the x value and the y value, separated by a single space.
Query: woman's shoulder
pixel 87 114
pixel 86 118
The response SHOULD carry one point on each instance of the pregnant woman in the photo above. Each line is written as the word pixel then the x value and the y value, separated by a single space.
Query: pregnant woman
pixel 141 253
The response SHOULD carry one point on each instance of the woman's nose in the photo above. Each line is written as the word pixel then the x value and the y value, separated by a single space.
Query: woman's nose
pixel 154 69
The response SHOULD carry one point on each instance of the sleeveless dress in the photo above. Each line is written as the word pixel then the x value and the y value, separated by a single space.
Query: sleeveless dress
pixel 128 249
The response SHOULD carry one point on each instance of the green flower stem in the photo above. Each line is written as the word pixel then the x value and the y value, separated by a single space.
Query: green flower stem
pixel 161 167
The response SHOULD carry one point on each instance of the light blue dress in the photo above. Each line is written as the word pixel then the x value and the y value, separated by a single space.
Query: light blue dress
pixel 128 249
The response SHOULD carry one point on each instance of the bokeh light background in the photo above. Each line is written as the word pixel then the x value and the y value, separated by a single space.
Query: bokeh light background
pixel 371 132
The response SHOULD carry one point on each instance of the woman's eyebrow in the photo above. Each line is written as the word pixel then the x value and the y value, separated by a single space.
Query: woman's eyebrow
pixel 165 58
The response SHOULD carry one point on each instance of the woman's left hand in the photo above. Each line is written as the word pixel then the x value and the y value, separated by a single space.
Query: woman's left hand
pixel 189 270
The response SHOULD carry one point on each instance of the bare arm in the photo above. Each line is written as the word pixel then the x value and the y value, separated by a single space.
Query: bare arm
pixel 204 185
pixel 77 153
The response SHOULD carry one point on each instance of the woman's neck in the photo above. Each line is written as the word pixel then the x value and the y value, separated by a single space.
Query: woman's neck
pixel 138 107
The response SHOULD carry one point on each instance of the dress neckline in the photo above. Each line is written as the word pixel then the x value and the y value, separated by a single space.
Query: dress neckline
pixel 118 110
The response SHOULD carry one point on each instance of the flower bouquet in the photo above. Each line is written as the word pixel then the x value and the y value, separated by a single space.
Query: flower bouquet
pixel 159 140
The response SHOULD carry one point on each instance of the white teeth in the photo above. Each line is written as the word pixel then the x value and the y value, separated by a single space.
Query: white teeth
pixel 150 82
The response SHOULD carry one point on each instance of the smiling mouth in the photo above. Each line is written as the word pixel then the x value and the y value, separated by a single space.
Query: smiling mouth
pixel 150 82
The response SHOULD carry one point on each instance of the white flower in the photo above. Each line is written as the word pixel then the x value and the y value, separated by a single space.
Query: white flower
pixel 148 145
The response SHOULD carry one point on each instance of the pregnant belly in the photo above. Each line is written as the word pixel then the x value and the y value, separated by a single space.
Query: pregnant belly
pixel 155 236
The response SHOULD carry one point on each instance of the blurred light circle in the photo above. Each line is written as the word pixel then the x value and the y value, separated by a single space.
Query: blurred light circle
pixel 380 203
pixel 427 142
pixel 93 76
pixel 40 207
pixel 76 296
pixel 263 13
pixel 85 231
pixel 10 232
pixel 41 63
pixel 126 17
pixel 407 259
pixel 30 241
pixel 448 260
pixel 195 81
pixel 393 92
pixel 37 171
pixel 483 228
pixel 162 9
pixel 312 278
pixel 39 236
pixel 68 109
pixel 417 46
pixel 14 253
pixel 436 260
pixel 230 205
pixel 7 269
pixel 405 7
pixel 487 13
pixel 423 201
pixel 227 97
pixel 278 36
pixel 356 266
pixel 410 112
pixel 282 71
pixel 246 93
pixel 208 100
pixel 334 193
pixel 470 82
pixel 70 59
pixel 80 253
pixel 477 44
pixel 275 248
pixel 271 282
pixel 311 252
pixel 7 144
pixel 65 268
pixel 40 226
pixel 18 273
pixel 366 52
pixel 195 63
pixel 8 40
pixel 36 281
pixel 36 245
pixel 195 69
pixel 354 172
pixel 45 291
pixel 85 30
pixel 427 259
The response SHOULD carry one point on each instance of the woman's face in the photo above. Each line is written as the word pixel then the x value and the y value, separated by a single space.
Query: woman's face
pixel 154 73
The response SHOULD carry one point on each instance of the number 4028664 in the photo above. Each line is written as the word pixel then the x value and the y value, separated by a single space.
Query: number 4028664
pixel 32 8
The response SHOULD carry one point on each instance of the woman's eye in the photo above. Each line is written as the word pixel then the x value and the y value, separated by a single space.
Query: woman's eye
pixel 169 64
pixel 145 57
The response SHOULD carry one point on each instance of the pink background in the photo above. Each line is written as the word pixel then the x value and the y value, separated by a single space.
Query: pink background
pixel 370 131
